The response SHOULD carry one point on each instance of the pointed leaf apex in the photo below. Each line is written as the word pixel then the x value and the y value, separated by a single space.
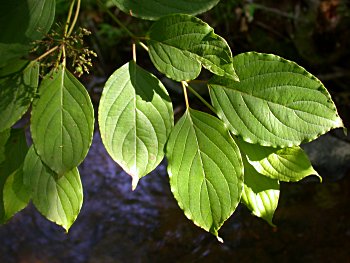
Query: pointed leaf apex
pixel 135 180
pixel 220 239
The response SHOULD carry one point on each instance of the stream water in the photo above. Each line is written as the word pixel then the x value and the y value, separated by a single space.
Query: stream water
pixel 119 225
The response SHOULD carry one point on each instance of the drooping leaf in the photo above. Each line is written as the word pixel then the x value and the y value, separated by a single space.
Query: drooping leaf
pixel 16 94
pixel 154 9
pixel 4 136
pixel 15 152
pixel 21 22
pixel 179 45
pixel 260 194
pixel 276 103
pixel 58 199
pixel 135 118
pixel 284 164
pixel 62 121
pixel 16 195
pixel 205 169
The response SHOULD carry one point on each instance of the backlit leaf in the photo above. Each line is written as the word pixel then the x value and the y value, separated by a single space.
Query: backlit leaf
pixel 179 45
pixel 16 195
pixel 62 121
pixel 260 194
pixel 276 103
pixel 154 9
pixel 135 118
pixel 16 94
pixel 58 199
pixel 284 164
pixel 205 169
pixel 15 152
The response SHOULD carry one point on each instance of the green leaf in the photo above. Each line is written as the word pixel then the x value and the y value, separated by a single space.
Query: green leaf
pixel 58 199
pixel 180 44
pixel 13 66
pixel 135 118
pixel 260 194
pixel 276 103
pixel 284 164
pixel 62 121
pixel 16 94
pixel 154 9
pixel 16 195
pixel 4 136
pixel 205 169
pixel 15 152
pixel 23 21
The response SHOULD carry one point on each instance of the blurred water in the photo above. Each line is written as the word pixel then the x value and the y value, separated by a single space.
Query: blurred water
pixel 119 225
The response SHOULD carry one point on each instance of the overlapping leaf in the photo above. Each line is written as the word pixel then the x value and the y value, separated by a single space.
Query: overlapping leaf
pixel 4 136
pixel 276 103
pixel 135 118
pixel 15 152
pixel 260 194
pixel 284 164
pixel 16 94
pixel 62 121
pixel 154 9
pixel 205 169
pixel 179 45
pixel 58 199
pixel 21 22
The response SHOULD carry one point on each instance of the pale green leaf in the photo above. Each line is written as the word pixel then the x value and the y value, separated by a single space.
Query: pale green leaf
pixel 15 152
pixel 284 164
pixel 205 169
pixel 135 118
pixel 62 121
pixel 276 103
pixel 16 195
pixel 154 9
pixel 58 199
pixel 16 94
pixel 179 45
pixel 260 194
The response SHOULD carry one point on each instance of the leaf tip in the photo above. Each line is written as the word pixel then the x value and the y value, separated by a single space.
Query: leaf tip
pixel 220 239
pixel 135 181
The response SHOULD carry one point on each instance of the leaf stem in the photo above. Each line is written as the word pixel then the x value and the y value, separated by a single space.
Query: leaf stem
pixel 115 19
pixel 134 52
pixel 46 53
pixel 68 18
pixel 77 10
pixel 199 97
pixel 143 45
pixel 184 86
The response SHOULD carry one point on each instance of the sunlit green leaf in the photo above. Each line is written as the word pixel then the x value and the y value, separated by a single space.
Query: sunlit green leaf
pixel 15 152
pixel 135 118
pixel 62 121
pixel 179 45
pixel 16 195
pixel 16 94
pixel 58 199
pixel 276 103
pixel 284 164
pixel 260 194
pixel 205 169
pixel 154 9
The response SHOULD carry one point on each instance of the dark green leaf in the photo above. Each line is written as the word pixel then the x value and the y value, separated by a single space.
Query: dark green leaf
pixel 276 103
pixel 179 45
pixel 135 118
pixel 16 94
pixel 205 169
pixel 58 199
pixel 4 136
pixel 62 121
pixel 284 164
pixel 154 9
